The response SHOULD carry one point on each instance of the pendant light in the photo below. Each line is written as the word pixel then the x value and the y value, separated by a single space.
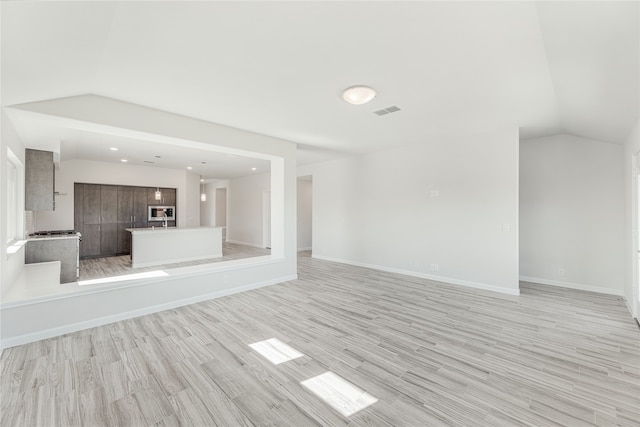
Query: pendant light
pixel 158 194
pixel 203 195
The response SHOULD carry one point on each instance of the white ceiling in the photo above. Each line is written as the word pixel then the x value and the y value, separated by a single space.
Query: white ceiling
pixel 208 164
pixel 278 68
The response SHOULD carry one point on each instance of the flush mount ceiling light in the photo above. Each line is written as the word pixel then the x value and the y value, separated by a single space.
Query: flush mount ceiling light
pixel 358 95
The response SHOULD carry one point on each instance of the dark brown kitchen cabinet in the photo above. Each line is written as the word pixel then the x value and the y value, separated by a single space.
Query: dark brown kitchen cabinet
pixel 90 243
pixel 167 197
pixel 108 204
pixel 125 205
pixel 125 219
pixel 102 213
pixel 91 204
pixel 140 213
pixel 108 239
pixel 95 216
pixel 78 206
pixel 124 239
pixel 151 196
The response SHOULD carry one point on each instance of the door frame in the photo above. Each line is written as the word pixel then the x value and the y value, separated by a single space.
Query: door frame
pixel 266 219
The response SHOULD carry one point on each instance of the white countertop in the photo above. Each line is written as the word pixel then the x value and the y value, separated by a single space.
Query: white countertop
pixel 168 229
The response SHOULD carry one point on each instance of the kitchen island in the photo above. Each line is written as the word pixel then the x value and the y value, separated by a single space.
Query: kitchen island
pixel 159 245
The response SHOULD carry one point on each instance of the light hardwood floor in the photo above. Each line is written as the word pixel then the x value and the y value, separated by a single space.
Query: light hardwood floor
pixel 95 268
pixel 432 354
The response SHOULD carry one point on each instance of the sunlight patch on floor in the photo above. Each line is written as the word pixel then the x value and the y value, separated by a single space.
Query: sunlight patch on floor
pixel 275 351
pixel 111 279
pixel 340 394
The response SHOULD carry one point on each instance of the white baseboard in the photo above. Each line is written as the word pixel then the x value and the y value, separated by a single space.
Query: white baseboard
pixel 308 248
pixel 74 327
pixel 571 285
pixel 253 245
pixel 443 279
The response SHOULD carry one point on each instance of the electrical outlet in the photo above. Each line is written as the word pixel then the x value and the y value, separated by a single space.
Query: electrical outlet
pixel 434 193
pixel 435 267
pixel 561 272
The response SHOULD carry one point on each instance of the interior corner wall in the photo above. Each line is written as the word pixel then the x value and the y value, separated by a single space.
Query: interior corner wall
pixel 244 205
pixel 571 213
pixel 192 201
pixel 631 149
pixel 446 209
pixel 304 220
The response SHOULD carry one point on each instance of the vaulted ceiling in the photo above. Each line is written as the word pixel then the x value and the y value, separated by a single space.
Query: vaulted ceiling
pixel 278 68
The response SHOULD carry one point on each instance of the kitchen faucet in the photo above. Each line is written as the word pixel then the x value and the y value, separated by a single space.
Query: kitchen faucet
pixel 164 221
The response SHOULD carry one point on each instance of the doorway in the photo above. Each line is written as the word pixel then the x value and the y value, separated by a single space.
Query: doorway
pixel 305 217
pixel 266 219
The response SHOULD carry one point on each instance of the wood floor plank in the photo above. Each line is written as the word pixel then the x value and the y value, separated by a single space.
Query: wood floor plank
pixel 431 353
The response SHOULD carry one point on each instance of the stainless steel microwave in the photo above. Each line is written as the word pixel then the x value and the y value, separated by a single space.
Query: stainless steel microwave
pixel 160 213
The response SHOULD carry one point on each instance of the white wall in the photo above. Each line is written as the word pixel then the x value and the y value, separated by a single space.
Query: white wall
pixel 377 209
pixel 192 201
pixel 305 197
pixel 208 208
pixel 631 148
pixel 244 204
pixel 10 264
pixel 93 172
pixel 571 213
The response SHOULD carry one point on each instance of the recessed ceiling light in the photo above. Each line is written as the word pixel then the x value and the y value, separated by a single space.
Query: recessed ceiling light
pixel 358 95
pixel 204 163
pixel 253 169
pixel 189 167
pixel 113 149
pixel 124 160
pixel 157 157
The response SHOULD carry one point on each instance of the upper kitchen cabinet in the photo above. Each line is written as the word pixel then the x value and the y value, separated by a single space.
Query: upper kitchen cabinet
pixel 39 180
pixel 167 196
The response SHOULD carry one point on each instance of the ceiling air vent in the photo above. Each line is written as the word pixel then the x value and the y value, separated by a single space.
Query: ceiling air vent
pixel 387 110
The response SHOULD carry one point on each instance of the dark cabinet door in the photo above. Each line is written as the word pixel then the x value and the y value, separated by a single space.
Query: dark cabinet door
pixel 125 205
pixel 124 239
pixel 90 243
pixel 140 212
pixel 91 204
pixel 78 206
pixel 108 239
pixel 151 196
pixel 168 196
pixel 109 204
